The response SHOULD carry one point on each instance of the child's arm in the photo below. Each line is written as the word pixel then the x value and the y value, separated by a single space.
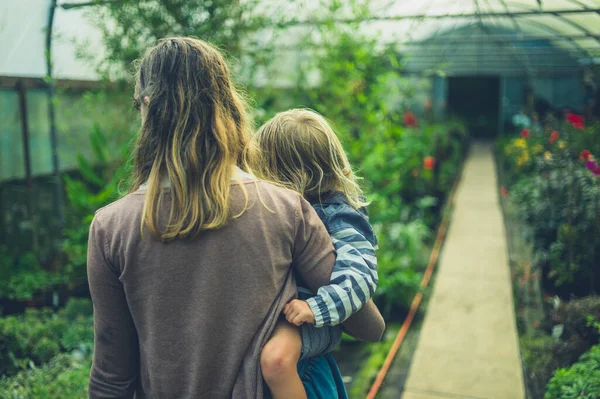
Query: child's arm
pixel 314 262
pixel 354 278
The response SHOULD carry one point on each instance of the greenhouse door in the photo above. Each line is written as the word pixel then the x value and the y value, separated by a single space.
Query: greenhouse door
pixel 476 99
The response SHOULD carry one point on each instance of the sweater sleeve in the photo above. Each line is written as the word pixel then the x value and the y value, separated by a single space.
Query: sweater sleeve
pixel 115 365
pixel 354 278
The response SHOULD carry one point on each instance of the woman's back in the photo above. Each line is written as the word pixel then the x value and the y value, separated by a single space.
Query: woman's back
pixel 198 309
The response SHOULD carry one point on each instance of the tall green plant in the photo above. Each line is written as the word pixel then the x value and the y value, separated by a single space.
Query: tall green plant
pixel 129 28
pixel 100 182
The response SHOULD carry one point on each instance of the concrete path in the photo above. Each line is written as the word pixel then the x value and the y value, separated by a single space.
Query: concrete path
pixel 468 347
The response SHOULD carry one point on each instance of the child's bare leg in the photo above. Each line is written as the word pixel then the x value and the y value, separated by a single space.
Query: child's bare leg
pixel 279 362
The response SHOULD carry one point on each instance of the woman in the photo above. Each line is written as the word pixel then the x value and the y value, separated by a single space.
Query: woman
pixel 190 271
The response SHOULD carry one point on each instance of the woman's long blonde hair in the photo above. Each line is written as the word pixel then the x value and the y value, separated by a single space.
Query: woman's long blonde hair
pixel 299 150
pixel 194 130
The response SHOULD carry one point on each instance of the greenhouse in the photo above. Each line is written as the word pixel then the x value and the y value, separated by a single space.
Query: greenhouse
pixel 134 263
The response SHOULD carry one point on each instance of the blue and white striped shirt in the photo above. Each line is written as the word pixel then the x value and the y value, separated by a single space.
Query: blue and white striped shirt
pixel 354 278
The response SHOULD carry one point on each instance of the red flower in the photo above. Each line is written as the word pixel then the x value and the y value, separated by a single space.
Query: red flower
pixel 503 192
pixel 554 137
pixel 585 155
pixel 410 119
pixel 428 162
pixel 525 133
pixel 577 121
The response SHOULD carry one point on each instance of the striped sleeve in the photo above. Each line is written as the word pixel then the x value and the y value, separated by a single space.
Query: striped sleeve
pixel 353 281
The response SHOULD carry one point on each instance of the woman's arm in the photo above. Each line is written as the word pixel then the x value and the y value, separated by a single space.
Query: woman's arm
pixel 116 359
pixel 367 324
pixel 314 259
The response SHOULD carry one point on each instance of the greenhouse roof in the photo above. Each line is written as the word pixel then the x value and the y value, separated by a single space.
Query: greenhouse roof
pixel 23 26
pixel 529 34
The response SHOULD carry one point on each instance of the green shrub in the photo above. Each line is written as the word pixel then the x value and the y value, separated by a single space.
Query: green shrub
pixel 23 276
pixel 580 381
pixel 98 185
pixel 35 337
pixel 65 377
pixel 405 246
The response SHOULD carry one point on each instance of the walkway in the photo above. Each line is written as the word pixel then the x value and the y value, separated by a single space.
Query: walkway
pixel 468 345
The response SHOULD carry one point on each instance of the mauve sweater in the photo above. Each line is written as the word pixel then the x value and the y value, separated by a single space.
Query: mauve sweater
pixel 188 318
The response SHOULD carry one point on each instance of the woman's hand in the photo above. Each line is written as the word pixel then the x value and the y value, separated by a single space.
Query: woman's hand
pixel 298 312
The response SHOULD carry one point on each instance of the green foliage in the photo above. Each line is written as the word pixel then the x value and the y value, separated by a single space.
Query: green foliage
pixel 33 338
pixel 542 355
pixel 24 276
pixel 130 28
pixel 582 380
pixel 593 322
pixel 99 184
pixel 403 247
pixel 65 376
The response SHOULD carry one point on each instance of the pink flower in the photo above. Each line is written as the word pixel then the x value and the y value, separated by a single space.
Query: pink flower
pixel 591 165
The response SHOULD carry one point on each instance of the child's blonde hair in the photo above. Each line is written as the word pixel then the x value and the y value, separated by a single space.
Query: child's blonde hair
pixel 299 150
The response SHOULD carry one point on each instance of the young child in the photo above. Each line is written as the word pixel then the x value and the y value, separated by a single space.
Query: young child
pixel 299 150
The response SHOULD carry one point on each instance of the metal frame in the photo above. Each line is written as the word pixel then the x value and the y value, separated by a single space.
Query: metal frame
pixel 58 191
pixel 507 37
pixel 527 12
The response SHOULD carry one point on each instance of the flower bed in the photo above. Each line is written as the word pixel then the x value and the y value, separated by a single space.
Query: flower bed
pixel 551 188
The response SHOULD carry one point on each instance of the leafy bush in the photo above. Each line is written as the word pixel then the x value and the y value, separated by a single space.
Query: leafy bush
pixel 580 381
pixel 100 183
pixel 65 376
pixel 405 246
pixel 36 336
pixel 24 276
